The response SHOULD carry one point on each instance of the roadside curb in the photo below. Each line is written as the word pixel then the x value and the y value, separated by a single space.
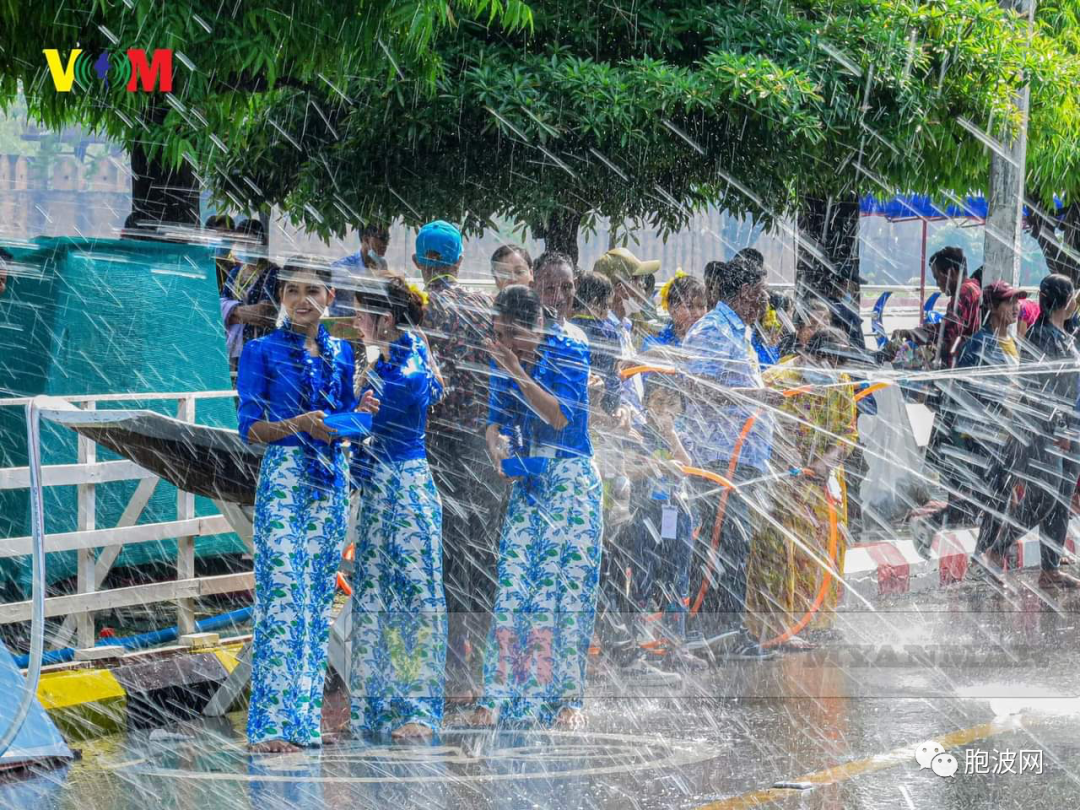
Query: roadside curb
pixel 873 570
pixel 138 690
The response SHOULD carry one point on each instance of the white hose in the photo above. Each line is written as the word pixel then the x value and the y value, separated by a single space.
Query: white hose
pixel 37 599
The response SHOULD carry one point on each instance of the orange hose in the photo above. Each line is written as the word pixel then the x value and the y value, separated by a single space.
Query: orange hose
pixel 870 389
pixel 826 580
pixel 627 373
pixel 728 486
pixel 342 583
pixel 736 451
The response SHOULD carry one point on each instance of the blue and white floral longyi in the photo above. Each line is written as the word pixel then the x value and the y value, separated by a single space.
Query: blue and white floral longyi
pixel 299 537
pixel 399 621
pixel 545 608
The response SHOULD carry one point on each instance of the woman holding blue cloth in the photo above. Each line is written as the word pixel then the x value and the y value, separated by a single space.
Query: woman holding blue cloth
pixel 399 609
pixel 289 382
pixel 549 551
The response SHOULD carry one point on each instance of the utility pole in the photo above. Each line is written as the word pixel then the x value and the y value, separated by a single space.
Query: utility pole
pixel 1005 195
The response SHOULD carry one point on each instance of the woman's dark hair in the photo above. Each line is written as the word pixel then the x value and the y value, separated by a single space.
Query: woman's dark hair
pixel 503 252
pixel 593 290
pixel 220 222
pixel 736 274
pixel 683 290
pixel 1055 292
pixel 711 278
pixel 294 267
pixel 519 305
pixel 393 297
pixel 251 227
pixel 549 259
pixel 828 343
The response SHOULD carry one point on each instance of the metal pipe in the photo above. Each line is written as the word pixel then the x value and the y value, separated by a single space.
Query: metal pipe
pixel 922 274
pixel 142 640
pixel 37 598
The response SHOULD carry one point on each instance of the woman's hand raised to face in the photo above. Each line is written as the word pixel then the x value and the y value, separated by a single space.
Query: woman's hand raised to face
pixel 505 358
pixel 368 404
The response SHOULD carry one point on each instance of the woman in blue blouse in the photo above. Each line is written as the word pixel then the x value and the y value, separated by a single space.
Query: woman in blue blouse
pixel 684 299
pixel 288 382
pixel 549 551
pixel 399 610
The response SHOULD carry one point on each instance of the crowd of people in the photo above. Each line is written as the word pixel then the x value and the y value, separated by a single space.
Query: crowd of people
pixel 583 462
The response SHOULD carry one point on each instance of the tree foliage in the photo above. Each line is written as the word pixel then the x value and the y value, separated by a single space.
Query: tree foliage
pixel 646 113
pixel 231 61
pixel 563 111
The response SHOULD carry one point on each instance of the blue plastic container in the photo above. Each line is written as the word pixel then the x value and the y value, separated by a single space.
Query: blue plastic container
pixel 353 425
pixel 519 466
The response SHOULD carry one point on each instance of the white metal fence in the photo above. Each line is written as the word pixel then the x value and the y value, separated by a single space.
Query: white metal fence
pixel 86 473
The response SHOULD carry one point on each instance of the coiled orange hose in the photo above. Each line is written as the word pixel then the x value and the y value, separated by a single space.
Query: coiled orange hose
pixel 728 486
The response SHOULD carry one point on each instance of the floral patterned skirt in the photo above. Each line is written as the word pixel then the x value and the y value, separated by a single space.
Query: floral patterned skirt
pixel 545 608
pixel 398 607
pixel 299 537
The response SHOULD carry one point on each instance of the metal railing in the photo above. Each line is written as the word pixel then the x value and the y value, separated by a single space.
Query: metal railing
pixel 86 474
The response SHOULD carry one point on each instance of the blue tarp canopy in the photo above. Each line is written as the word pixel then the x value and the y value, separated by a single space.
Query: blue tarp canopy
pixel 919 206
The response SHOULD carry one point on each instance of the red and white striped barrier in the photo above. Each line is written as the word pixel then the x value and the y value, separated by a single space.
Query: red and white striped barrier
pixel 883 569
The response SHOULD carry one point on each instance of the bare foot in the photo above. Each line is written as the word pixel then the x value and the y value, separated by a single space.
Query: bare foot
pixel 274 747
pixel 482 717
pixel 330 738
pixel 411 731
pixel 1052 578
pixel 570 719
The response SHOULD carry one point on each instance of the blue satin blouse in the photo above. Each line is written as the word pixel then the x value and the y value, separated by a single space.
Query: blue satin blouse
pixel 406 387
pixel 561 369
pixel 273 381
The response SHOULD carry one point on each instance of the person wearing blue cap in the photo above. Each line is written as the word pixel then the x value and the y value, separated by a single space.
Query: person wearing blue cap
pixel 457 322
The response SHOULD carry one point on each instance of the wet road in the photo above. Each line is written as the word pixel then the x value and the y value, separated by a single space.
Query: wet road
pixel 992 678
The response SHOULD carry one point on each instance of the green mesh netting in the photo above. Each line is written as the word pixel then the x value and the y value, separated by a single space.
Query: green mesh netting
pixel 101 316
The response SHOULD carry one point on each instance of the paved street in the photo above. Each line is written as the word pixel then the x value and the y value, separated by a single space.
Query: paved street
pixel 987 676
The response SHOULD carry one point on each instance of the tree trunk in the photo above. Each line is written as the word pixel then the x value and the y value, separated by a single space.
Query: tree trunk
pixel 560 233
pixel 1004 225
pixel 160 194
pixel 1060 254
pixel 829 228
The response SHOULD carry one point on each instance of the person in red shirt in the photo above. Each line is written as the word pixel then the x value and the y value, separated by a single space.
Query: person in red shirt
pixel 962 315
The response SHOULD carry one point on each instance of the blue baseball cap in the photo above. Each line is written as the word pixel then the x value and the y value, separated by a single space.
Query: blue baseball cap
pixel 438 237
